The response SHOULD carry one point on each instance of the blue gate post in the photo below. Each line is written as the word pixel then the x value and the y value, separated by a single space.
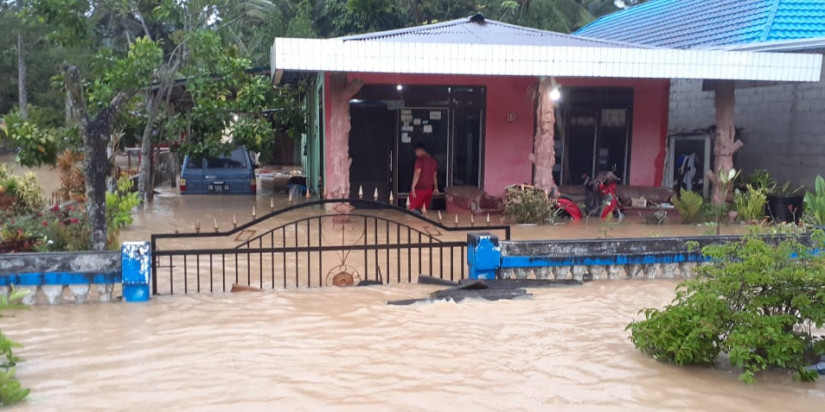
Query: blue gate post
pixel 483 255
pixel 136 264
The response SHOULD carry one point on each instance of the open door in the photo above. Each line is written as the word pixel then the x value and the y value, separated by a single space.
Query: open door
pixel 370 147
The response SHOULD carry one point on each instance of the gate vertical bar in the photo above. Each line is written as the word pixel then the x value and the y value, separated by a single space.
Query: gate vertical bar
pixel 185 285
pixel 171 279
pixel 272 257
pixel 297 281
pixel 155 261
pixel 375 237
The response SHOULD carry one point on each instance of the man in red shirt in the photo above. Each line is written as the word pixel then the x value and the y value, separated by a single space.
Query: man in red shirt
pixel 425 179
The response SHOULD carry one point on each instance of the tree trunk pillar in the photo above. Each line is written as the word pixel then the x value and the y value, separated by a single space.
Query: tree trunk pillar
pixel 22 93
pixel 544 142
pixel 725 144
pixel 341 90
pixel 97 170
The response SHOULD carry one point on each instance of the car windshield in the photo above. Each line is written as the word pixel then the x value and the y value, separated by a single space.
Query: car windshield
pixel 235 160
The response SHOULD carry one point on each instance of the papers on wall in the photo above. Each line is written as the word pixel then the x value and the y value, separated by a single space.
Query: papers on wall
pixel 405 138
pixel 428 128
pixel 435 115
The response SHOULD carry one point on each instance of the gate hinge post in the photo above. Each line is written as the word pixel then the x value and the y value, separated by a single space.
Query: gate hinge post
pixel 483 255
pixel 136 270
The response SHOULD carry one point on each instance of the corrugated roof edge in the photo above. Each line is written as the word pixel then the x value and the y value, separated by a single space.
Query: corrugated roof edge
pixel 814 43
pixel 480 19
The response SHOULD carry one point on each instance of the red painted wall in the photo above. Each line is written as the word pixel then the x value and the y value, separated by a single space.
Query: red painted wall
pixel 508 144
pixel 650 107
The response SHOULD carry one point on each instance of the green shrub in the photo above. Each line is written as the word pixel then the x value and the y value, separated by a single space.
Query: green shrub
pixel 815 202
pixel 119 207
pixel 11 392
pixel 20 194
pixel 762 180
pixel 760 302
pixel 689 204
pixel 66 229
pixel 528 205
pixel 750 204
pixel 36 146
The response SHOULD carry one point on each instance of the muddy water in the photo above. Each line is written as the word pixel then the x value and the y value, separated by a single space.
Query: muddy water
pixel 171 212
pixel 344 349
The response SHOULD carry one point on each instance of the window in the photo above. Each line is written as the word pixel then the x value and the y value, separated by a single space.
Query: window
pixel 236 160
pixel 194 163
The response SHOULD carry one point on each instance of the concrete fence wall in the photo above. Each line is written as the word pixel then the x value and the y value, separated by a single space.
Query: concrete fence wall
pixel 590 259
pixel 78 276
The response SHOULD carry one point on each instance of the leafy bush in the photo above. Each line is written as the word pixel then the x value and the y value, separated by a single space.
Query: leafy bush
pixel 119 206
pixel 762 180
pixel 750 204
pixel 19 194
pixel 815 202
pixel 67 228
pixel 36 146
pixel 760 302
pixel 72 181
pixel 11 392
pixel 528 205
pixel 689 204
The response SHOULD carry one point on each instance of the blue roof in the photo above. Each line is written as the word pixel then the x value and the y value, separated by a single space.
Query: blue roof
pixel 711 23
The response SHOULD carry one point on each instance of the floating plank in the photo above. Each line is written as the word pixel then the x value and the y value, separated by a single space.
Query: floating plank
pixel 458 295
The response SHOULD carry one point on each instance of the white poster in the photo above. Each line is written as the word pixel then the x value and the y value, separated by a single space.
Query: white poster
pixel 435 115
pixel 405 138
pixel 428 128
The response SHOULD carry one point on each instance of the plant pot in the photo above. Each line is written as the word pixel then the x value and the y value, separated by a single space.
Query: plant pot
pixel 785 208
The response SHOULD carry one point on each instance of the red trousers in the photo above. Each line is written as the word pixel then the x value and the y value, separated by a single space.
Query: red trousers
pixel 422 197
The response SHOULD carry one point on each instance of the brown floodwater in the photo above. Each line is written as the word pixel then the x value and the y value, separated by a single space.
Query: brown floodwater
pixel 172 212
pixel 345 349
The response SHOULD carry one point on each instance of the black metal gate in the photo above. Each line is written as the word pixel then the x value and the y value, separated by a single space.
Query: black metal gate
pixel 376 243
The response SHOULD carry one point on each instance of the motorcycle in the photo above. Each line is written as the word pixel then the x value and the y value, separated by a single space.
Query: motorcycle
pixel 600 198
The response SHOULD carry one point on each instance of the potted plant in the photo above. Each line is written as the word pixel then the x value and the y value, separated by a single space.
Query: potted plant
pixel 785 205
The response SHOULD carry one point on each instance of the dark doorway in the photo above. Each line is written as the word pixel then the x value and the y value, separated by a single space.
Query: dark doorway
pixel 597 126
pixel 370 147
pixel 447 119
pixel 466 158
pixel 433 132
pixel 581 133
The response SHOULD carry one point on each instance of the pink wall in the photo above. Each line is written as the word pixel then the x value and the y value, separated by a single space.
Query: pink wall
pixel 507 144
pixel 650 106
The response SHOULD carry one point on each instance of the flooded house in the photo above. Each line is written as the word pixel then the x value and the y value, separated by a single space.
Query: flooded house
pixel 498 104
pixel 780 122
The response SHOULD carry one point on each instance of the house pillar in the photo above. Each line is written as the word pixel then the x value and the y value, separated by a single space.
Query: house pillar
pixel 725 144
pixel 544 142
pixel 341 90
